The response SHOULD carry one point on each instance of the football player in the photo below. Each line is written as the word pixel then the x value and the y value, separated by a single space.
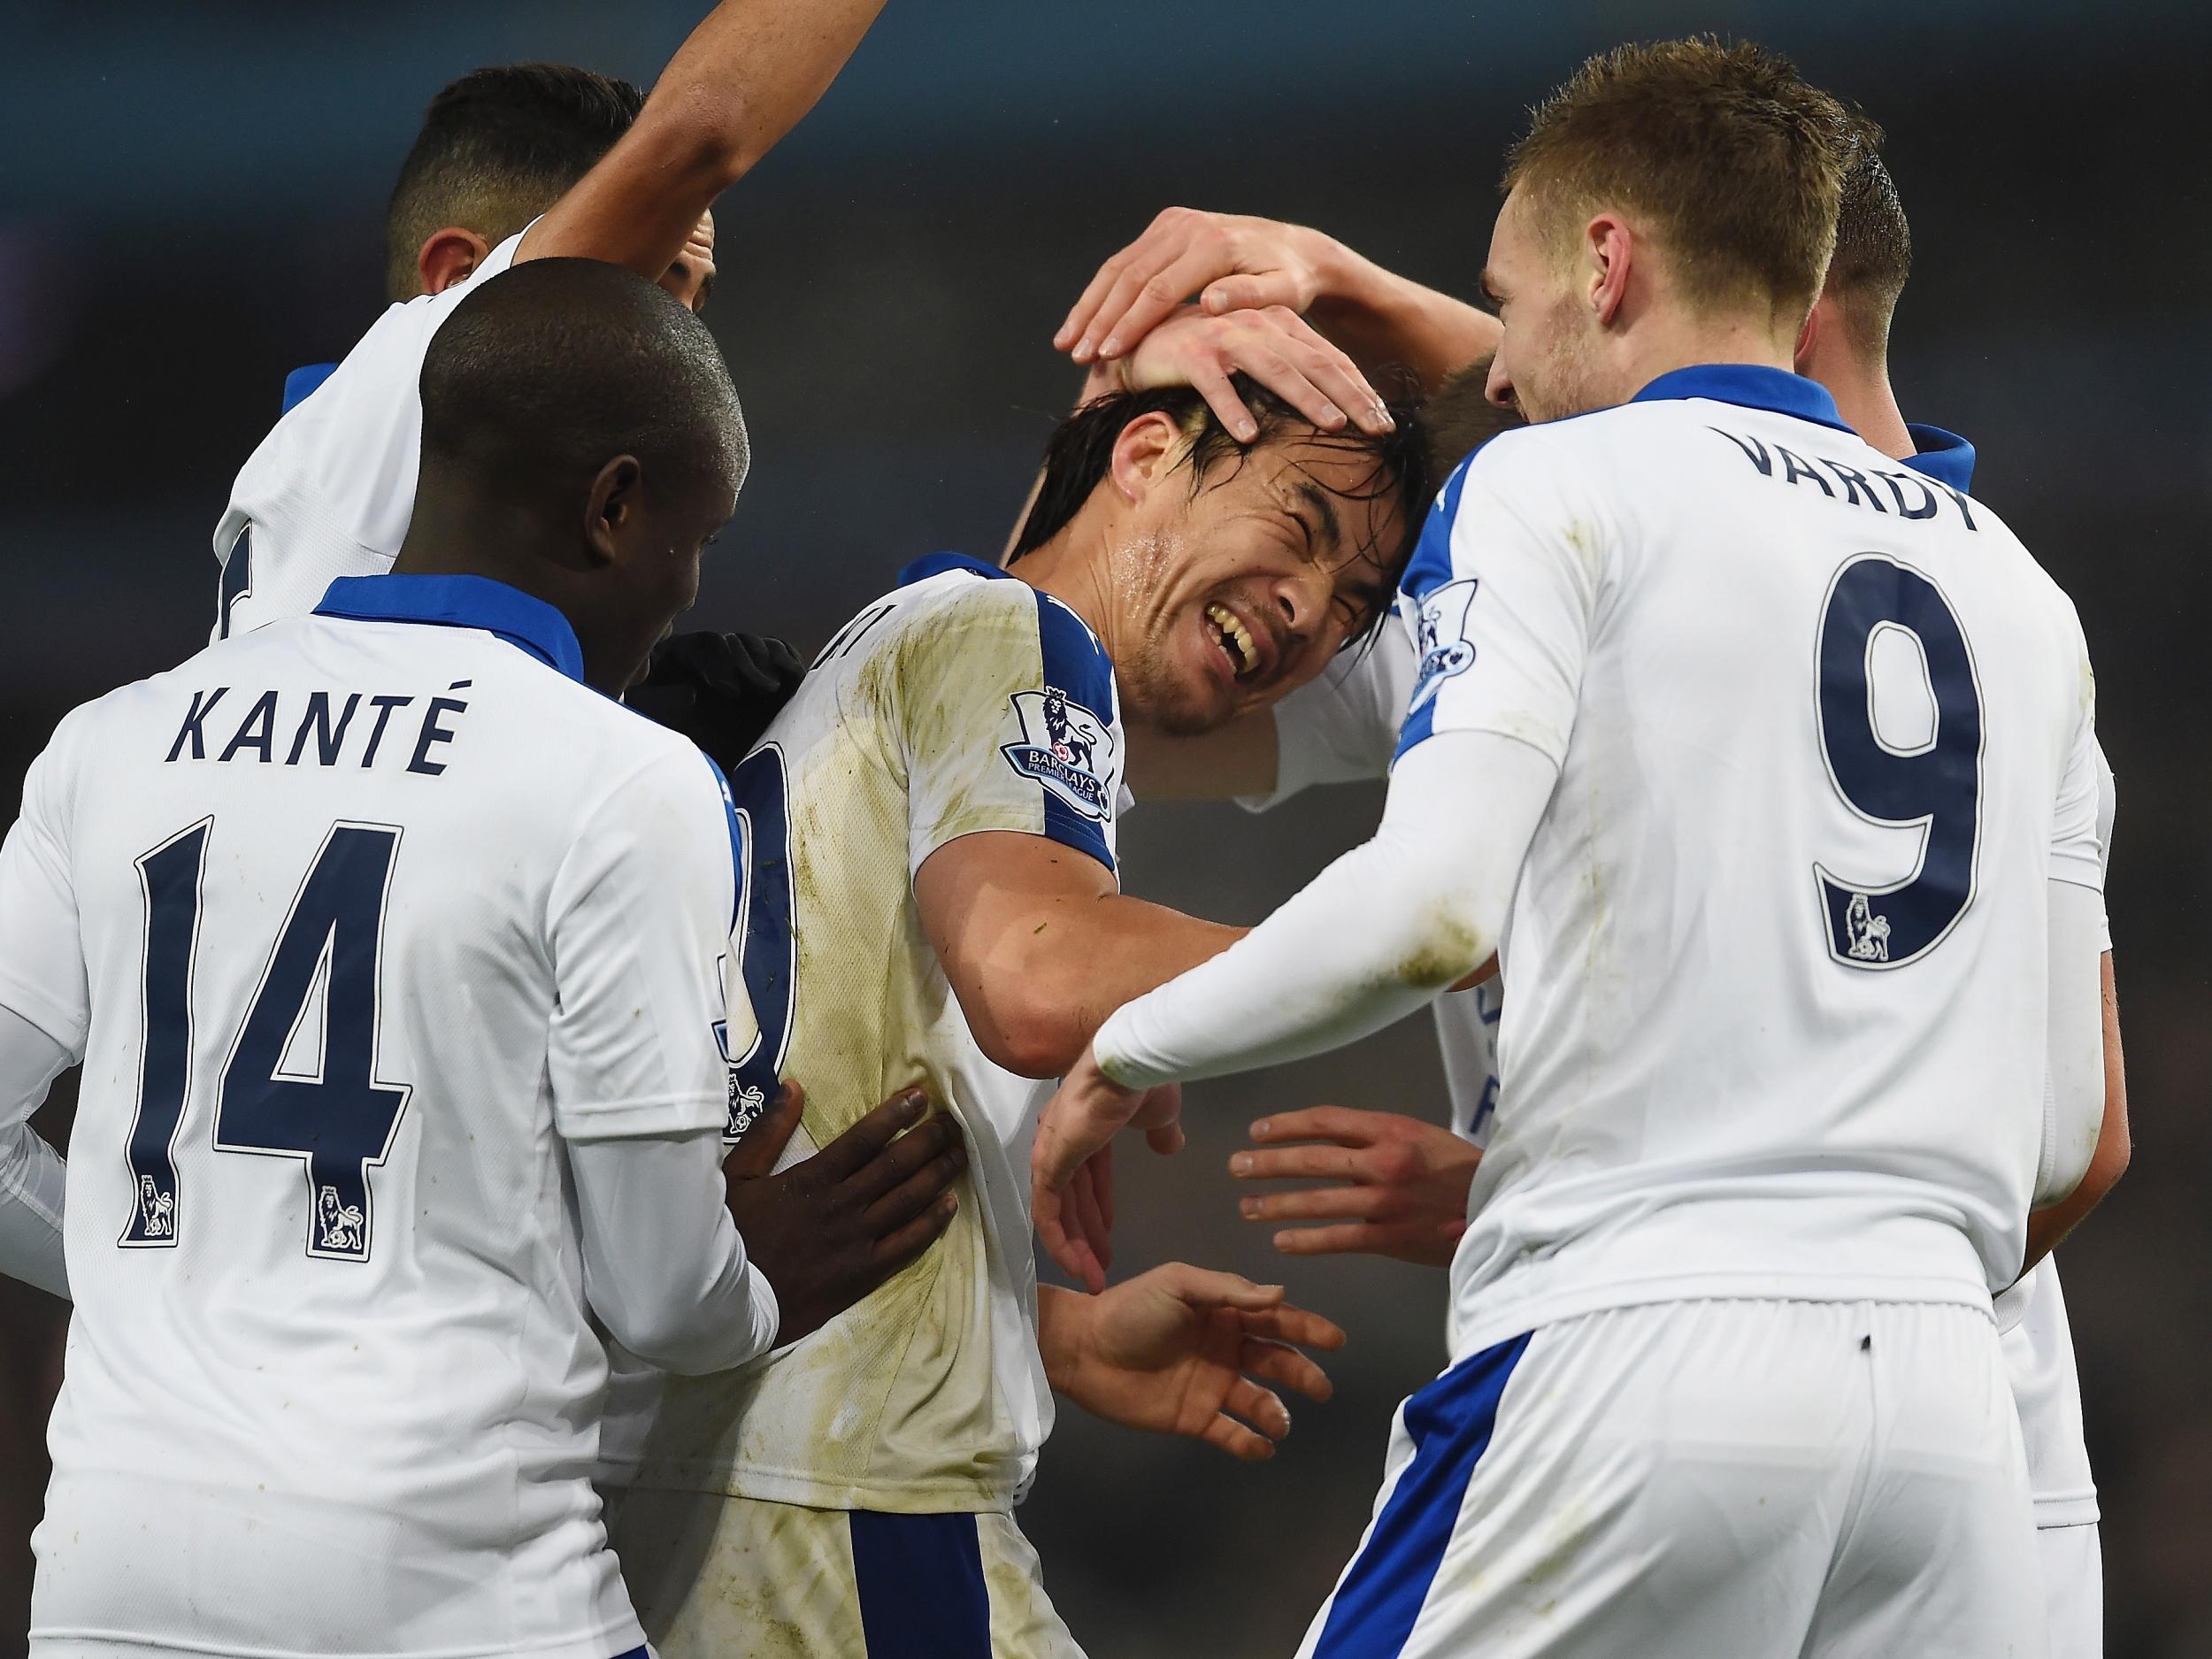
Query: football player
pixel 933 821
pixel 1702 667
pixel 394 950
pixel 1399 1185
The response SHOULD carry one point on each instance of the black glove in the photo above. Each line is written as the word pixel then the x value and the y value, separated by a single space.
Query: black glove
pixel 720 690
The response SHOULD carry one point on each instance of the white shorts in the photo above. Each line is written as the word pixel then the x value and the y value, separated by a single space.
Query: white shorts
pixel 1701 1479
pixel 2073 1589
pixel 720 1578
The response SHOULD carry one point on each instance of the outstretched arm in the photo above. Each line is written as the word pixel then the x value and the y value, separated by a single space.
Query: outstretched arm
pixel 32 1175
pixel 743 79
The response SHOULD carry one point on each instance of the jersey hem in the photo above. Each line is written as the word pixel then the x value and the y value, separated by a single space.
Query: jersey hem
pixel 608 1642
pixel 2072 1509
pixel 1497 1324
pixel 34 1005
pixel 919 1497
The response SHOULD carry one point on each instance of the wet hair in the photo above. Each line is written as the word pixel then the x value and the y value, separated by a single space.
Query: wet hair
pixel 1080 453
pixel 547 372
pixel 1873 241
pixel 1460 417
pixel 498 148
pixel 1729 152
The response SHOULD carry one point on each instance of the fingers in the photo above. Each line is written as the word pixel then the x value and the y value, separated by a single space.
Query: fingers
pixel 896 1248
pixel 918 1191
pixel 1205 1288
pixel 1259 1406
pixel 1287 1367
pixel 1154 295
pixel 759 1147
pixel 1312 1163
pixel 1350 1238
pixel 1316 1204
pixel 860 1144
pixel 1251 291
pixel 1211 380
pixel 1320 1123
pixel 1290 1323
pixel 932 1140
pixel 1231 1436
pixel 1083 1211
pixel 1074 1256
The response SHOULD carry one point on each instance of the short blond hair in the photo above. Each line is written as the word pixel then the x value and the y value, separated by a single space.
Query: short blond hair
pixel 1732 153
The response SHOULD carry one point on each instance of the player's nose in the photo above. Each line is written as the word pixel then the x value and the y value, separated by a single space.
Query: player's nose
pixel 1498 388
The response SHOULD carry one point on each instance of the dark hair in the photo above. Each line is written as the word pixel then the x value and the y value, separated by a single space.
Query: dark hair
pixel 1081 450
pixel 546 373
pixel 1726 147
pixel 1873 241
pixel 1460 417
pixel 498 148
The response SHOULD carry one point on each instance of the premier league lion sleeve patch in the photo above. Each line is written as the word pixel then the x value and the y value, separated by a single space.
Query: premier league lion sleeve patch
pixel 1011 721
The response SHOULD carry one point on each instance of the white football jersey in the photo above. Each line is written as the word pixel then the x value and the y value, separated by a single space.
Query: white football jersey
pixel 331 490
pixel 963 701
pixel 1340 727
pixel 356 921
pixel 1825 733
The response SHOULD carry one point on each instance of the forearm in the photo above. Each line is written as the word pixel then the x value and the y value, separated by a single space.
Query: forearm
pixel 1061 1318
pixel 1377 316
pixel 664 1268
pixel 33 1177
pixel 740 82
pixel 1054 973
pixel 1378 934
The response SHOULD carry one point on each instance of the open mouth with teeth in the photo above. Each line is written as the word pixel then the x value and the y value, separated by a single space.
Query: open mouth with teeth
pixel 1234 639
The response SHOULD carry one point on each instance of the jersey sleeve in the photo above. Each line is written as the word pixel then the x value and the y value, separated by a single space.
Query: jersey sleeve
pixel 1006 718
pixel 1501 595
pixel 331 490
pixel 2076 825
pixel 2107 810
pixel 1342 726
pixel 43 974
pixel 638 922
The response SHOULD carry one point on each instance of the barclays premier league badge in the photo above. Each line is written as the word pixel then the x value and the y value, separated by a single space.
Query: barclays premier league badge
pixel 1066 748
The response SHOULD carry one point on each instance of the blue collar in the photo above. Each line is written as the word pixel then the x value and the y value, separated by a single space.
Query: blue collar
pixel 300 382
pixel 1750 385
pixel 937 564
pixel 460 602
pixel 1943 455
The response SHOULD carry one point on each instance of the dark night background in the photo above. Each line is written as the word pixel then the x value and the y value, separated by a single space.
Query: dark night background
pixel 190 202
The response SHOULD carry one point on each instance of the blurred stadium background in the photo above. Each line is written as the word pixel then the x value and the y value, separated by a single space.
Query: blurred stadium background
pixel 190 205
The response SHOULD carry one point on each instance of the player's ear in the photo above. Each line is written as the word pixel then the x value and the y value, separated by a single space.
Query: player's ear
pixel 1145 453
pixel 449 256
pixel 610 512
pixel 1608 249
pixel 1808 335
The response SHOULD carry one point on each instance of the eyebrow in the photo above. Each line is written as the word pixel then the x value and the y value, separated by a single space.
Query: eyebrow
pixel 1324 509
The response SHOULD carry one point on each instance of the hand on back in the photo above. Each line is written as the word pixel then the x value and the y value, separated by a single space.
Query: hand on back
pixel 1398 1186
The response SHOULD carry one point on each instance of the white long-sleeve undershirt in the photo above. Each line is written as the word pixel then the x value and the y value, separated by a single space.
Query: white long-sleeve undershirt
pixel 2073 1098
pixel 34 1180
pixel 1378 935
pixel 665 1267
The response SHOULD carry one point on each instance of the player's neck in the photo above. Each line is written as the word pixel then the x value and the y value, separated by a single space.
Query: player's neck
pixel 1867 405
pixel 1660 345
pixel 1074 569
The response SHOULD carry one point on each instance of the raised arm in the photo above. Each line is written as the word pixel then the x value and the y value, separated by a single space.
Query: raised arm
pixel 742 79
pixel 1232 262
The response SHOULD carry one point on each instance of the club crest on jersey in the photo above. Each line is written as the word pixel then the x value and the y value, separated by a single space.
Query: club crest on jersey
pixel 157 1212
pixel 1066 748
pixel 1441 636
pixel 1865 933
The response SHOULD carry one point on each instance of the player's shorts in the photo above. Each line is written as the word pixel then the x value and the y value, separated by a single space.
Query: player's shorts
pixel 1688 1480
pixel 2073 1589
pixel 721 1577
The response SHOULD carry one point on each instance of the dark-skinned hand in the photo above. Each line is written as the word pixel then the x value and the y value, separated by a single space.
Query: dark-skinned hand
pixel 831 1228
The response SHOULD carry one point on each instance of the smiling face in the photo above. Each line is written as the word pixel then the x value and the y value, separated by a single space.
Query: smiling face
pixel 1224 598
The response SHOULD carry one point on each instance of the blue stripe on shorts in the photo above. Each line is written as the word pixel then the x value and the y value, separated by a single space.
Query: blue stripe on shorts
pixel 1449 1423
pixel 920 1581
